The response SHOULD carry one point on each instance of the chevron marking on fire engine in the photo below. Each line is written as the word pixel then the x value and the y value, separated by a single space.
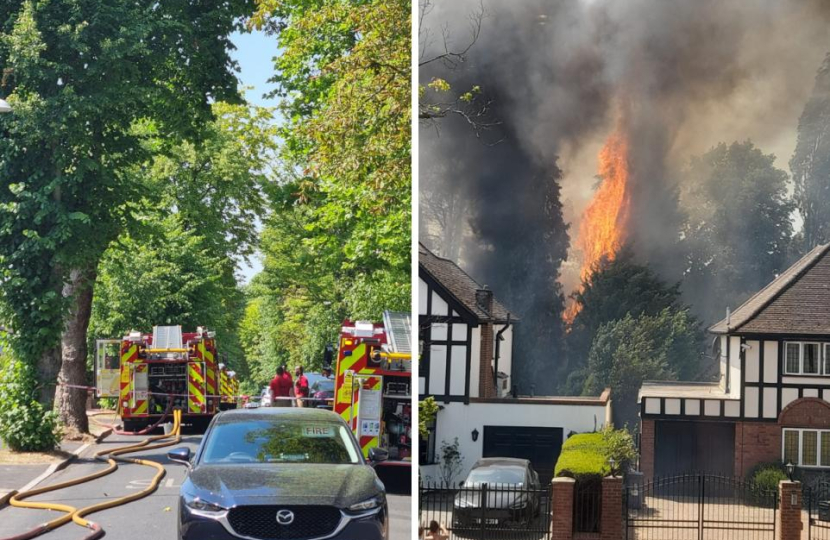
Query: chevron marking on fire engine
pixel 127 357
pixel 209 369
pixel 194 380
pixel 357 354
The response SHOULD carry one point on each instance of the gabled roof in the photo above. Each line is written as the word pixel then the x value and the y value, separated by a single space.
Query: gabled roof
pixel 459 285
pixel 796 302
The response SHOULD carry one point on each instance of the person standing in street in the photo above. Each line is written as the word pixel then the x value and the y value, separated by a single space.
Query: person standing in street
pixel 281 389
pixel 300 386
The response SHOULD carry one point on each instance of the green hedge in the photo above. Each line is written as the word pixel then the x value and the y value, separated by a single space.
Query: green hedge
pixel 583 455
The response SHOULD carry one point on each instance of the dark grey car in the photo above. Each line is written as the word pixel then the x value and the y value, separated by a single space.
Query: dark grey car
pixel 280 473
pixel 511 494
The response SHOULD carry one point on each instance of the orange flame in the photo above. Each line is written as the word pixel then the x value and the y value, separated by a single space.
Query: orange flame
pixel 604 224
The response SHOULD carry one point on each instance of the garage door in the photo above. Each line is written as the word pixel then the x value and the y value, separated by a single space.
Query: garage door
pixel 540 445
pixel 706 447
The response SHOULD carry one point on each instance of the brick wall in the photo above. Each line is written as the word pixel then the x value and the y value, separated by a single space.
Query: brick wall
pixel 647 448
pixel 563 508
pixel 755 442
pixel 611 524
pixel 806 413
pixel 789 511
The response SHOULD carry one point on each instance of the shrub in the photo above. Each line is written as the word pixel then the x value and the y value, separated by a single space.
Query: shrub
pixel 767 475
pixel 25 424
pixel 587 455
pixel 583 456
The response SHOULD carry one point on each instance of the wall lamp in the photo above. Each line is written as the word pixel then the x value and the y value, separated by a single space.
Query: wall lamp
pixel 474 434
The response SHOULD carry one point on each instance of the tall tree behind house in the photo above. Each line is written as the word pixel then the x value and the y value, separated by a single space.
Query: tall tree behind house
pixel 810 163
pixel 739 227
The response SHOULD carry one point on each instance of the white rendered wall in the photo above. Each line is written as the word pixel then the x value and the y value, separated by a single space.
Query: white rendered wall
pixel 459 420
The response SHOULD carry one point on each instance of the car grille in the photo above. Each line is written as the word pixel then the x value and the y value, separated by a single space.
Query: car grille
pixel 261 522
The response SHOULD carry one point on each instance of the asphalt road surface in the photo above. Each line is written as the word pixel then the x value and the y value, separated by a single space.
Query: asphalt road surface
pixel 151 518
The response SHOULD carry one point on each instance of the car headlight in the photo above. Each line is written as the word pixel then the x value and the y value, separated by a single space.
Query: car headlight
pixel 519 503
pixel 369 504
pixel 201 507
pixel 464 503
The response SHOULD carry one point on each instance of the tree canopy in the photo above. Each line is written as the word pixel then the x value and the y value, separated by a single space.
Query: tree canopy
pixel 630 350
pixel 810 163
pixel 739 226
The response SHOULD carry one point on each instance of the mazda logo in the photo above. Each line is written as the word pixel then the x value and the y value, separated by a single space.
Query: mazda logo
pixel 285 517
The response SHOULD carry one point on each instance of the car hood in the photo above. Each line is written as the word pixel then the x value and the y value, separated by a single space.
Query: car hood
pixel 243 484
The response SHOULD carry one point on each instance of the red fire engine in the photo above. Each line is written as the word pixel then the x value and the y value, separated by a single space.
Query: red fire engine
pixel 151 374
pixel 374 383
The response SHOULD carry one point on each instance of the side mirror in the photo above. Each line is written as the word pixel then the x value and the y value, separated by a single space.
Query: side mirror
pixel 180 455
pixel 376 455
pixel 461 483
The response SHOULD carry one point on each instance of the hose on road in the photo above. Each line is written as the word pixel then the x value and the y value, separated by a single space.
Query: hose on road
pixel 115 429
pixel 111 457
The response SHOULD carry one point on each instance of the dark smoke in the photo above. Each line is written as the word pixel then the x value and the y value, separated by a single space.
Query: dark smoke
pixel 681 76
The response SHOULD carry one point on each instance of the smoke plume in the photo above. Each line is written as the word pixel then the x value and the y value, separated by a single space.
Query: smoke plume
pixel 678 76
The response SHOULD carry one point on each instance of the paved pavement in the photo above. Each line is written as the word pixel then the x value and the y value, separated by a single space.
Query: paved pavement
pixel 151 518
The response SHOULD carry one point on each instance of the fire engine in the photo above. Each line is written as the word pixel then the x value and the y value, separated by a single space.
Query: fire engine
pixel 151 374
pixel 228 388
pixel 373 385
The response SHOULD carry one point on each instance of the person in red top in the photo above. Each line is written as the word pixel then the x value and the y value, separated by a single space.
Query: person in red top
pixel 281 387
pixel 300 385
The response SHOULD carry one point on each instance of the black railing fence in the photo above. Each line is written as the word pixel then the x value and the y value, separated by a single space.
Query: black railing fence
pixel 699 507
pixel 587 506
pixel 816 505
pixel 487 512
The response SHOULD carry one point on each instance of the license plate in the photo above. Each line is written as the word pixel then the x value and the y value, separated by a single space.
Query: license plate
pixel 487 521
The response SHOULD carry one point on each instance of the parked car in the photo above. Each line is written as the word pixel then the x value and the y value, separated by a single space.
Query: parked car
pixel 322 391
pixel 513 492
pixel 280 473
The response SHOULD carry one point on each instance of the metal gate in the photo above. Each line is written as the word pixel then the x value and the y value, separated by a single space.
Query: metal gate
pixel 817 505
pixel 699 507
pixel 487 512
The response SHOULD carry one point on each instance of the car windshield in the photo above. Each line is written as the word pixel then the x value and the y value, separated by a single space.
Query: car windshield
pixel 280 441
pixel 496 475
pixel 324 386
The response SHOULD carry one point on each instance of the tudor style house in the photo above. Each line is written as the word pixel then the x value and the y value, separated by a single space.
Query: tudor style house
pixel 466 341
pixel 772 402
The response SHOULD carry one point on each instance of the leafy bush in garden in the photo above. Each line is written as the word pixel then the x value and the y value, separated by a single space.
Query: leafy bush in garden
pixel 25 425
pixel 767 475
pixel 587 455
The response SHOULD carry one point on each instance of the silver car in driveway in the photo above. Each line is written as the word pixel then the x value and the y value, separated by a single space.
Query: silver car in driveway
pixel 511 490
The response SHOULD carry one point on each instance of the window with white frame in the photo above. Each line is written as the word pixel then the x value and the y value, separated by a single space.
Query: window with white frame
pixel 804 358
pixel 806 447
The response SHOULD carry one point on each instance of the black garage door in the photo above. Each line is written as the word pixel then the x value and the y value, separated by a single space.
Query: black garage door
pixel 706 447
pixel 540 445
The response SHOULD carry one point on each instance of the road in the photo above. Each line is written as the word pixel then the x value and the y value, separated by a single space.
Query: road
pixel 152 518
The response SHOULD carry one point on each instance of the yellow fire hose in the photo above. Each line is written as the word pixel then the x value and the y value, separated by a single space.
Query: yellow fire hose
pixel 111 456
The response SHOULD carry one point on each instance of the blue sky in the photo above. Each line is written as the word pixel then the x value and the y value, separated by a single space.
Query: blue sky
pixel 255 53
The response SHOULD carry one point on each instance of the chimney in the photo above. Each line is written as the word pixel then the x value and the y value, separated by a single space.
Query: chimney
pixel 484 299
pixel 486 377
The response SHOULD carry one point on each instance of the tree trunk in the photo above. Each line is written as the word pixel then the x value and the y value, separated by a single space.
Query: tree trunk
pixel 71 402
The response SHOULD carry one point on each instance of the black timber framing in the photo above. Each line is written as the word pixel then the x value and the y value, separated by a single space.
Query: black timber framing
pixel 425 322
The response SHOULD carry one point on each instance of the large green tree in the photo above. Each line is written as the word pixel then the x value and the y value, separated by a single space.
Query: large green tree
pixel 810 163
pixel 201 205
pixel 80 74
pixel 613 290
pixel 336 242
pixel 628 351
pixel 739 226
